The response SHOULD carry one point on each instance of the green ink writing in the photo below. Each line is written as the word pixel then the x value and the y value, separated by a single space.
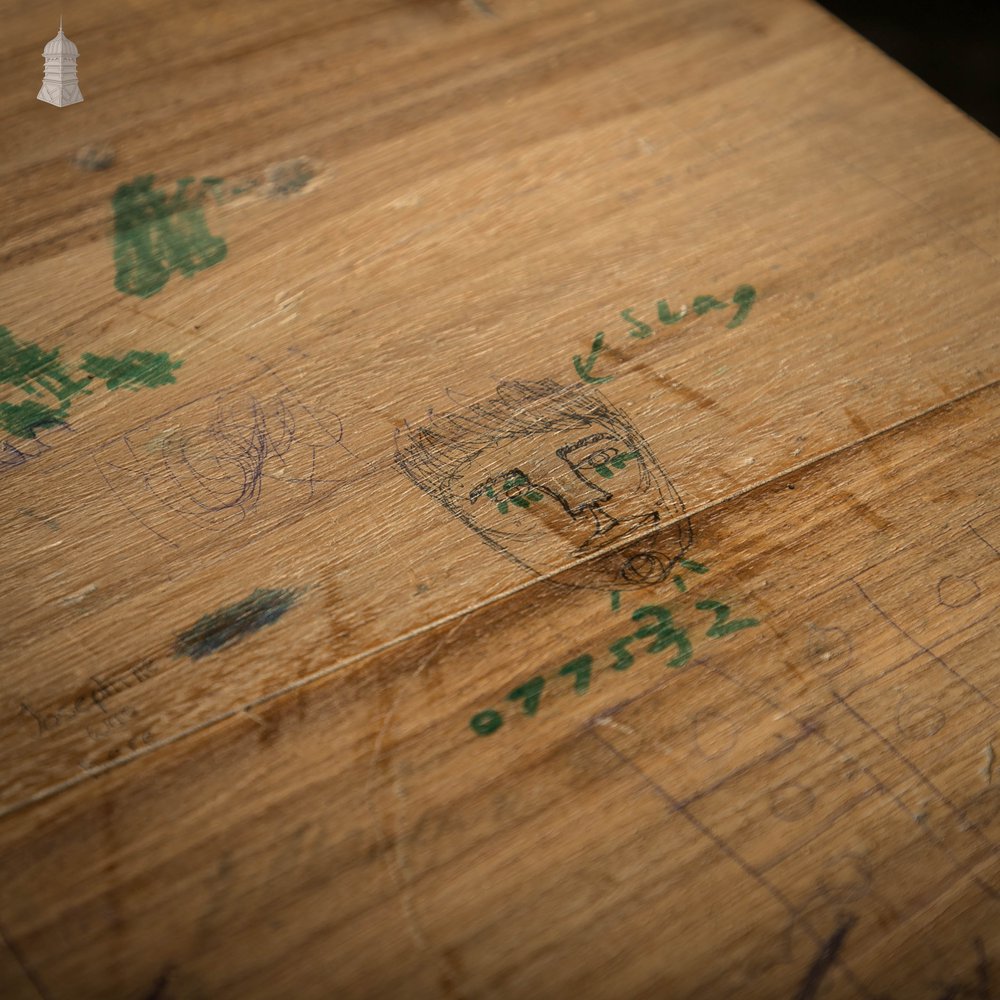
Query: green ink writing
pixel 581 667
pixel 743 298
pixel 722 626
pixel 663 633
pixel 583 369
pixel 531 693
pixel 639 329
pixel 666 316
pixel 486 722
pixel 654 622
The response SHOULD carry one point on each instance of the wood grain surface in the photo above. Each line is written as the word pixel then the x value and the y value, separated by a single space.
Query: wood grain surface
pixel 499 500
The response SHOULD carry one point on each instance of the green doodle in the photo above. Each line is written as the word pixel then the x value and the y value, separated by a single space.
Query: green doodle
pixel 156 234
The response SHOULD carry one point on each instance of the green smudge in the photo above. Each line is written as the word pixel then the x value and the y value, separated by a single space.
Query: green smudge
pixel 155 235
pixel 230 624
pixel 135 370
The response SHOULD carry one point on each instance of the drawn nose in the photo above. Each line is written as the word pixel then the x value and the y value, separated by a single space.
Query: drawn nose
pixel 576 492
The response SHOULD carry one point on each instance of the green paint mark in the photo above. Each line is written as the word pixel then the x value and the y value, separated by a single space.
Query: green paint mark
pixel 618 461
pixel 639 329
pixel 230 624
pixel 156 234
pixel 744 297
pixel 615 600
pixel 666 316
pixel 486 722
pixel 693 566
pixel 583 369
pixel 135 370
pixel 722 626
pixel 604 471
pixel 679 583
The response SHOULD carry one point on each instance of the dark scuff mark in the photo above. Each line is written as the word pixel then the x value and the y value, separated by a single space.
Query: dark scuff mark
pixel 289 177
pixel 230 624
pixel 159 987
pixel 826 957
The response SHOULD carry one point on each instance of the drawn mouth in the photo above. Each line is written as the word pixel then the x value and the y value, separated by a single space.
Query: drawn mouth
pixel 611 529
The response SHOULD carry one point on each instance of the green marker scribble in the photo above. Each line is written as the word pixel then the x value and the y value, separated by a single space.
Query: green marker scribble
pixel 155 235
pixel 135 370
pixel 583 369
pixel 50 386
pixel 24 419
pixel 22 364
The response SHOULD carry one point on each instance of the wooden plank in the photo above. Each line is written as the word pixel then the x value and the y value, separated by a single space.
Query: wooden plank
pixel 544 539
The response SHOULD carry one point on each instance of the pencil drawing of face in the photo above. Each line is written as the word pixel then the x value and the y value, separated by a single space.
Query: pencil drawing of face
pixel 550 475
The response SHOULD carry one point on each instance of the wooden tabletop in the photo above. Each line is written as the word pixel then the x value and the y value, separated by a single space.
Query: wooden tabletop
pixel 499 500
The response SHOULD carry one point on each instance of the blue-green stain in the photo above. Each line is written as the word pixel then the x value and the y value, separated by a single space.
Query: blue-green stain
pixel 616 600
pixel 679 584
pixel 229 625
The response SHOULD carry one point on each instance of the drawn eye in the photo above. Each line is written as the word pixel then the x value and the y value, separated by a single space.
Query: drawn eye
pixel 602 457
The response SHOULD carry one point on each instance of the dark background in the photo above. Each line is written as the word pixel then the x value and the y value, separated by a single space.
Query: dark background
pixel 954 47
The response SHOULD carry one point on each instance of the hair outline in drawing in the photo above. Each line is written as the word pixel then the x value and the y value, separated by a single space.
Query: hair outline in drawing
pixel 549 475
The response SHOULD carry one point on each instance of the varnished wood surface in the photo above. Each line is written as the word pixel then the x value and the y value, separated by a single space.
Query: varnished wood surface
pixel 261 613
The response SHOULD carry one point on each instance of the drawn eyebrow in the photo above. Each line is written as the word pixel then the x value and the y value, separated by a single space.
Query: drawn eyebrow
pixel 590 439
pixel 477 491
